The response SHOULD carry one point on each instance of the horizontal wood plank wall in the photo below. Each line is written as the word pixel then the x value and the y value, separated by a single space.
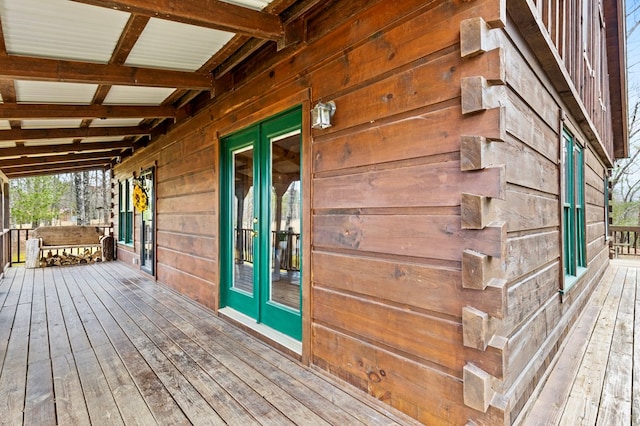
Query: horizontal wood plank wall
pixel 538 316
pixel 388 238
pixel 186 212
pixel 434 203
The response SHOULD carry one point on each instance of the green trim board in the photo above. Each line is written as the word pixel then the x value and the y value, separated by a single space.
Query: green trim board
pixel 125 214
pixel 574 232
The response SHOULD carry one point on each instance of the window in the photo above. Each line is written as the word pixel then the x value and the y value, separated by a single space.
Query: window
pixel 575 256
pixel 125 216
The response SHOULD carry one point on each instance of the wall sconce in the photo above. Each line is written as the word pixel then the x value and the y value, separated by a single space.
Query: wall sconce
pixel 321 115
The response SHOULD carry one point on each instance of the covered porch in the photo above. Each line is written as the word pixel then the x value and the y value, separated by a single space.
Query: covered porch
pixel 104 344
pixel 595 378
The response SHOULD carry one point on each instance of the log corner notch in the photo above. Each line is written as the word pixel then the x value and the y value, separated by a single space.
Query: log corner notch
pixel 479 211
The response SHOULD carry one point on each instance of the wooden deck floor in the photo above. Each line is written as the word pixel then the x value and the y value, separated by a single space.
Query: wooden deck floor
pixel 596 377
pixel 101 344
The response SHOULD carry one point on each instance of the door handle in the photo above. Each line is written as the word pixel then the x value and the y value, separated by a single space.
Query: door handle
pixel 254 233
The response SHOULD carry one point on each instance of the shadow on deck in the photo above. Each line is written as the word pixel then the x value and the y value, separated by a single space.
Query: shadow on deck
pixel 103 344
pixel 596 376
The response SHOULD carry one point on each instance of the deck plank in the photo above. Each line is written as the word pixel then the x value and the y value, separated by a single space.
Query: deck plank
pixel 39 403
pixel 584 399
pixel 256 375
pixel 615 405
pixel 70 404
pixel 313 391
pixel 635 385
pixel 100 402
pixel 605 385
pixel 174 344
pixel 157 396
pixel 104 344
pixel 39 406
pixel 13 377
pixel 13 294
pixel 130 402
pixel 10 284
pixel 197 410
pixel 5 284
pixel 548 408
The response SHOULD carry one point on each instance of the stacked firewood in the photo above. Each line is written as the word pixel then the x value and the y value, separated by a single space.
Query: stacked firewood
pixel 64 258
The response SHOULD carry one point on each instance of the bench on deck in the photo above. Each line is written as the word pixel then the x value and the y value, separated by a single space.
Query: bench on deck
pixel 47 240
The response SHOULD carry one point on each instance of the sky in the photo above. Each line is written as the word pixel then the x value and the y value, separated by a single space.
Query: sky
pixel 633 55
pixel 633 49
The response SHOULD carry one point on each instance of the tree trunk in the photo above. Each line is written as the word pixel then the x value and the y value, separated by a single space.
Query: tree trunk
pixel 79 193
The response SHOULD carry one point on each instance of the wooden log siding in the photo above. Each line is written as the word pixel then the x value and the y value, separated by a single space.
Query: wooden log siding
pixel 433 203
pixel 537 318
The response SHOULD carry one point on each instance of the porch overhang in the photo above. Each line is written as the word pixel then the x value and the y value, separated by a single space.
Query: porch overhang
pixel 85 83
pixel 614 12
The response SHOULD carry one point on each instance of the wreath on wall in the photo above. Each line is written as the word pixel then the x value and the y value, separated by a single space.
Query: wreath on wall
pixel 140 198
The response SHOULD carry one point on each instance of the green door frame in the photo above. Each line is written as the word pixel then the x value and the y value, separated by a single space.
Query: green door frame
pixel 257 305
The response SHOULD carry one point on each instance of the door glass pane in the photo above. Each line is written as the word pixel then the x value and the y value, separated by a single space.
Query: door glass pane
pixel 243 220
pixel 285 220
pixel 147 225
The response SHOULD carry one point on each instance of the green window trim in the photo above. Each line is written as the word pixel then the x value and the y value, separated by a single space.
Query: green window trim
pixel 125 213
pixel 574 224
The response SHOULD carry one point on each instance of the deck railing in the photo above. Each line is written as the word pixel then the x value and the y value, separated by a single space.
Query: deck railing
pixel 624 240
pixel 5 248
pixel 286 245
pixel 16 245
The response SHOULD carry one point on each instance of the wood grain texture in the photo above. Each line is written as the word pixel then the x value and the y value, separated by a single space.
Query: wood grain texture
pixel 411 186
pixel 438 237
pixel 412 135
pixel 391 244
pixel 422 286
pixel 435 340
pixel 401 382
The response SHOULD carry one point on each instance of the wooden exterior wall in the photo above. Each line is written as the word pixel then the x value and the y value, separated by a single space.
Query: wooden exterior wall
pixel 434 251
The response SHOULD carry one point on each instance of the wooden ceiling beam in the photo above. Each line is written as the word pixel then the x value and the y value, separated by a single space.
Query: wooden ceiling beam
pixel 88 132
pixel 12 111
pixel 56 169
pixel 57 159
pixel 19 151
pixel 204 13
pixel 130 35
pixel 41 69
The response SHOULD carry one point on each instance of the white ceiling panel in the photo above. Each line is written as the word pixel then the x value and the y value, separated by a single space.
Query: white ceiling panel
pixel 173 45
pixel 7 144
pixel 102 139
pixel 252 4
pixel 116 122
pixel 46 92
pixel 52 124
pixel 41 142
pixel 136 95
pixel 61 29
pixel 4 125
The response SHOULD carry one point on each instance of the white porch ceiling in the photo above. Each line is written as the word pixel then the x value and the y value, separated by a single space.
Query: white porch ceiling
pixel 111 75
pixel 172 45
pixel 61 29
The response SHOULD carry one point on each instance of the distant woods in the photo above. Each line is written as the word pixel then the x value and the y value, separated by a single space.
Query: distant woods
pixel 81 198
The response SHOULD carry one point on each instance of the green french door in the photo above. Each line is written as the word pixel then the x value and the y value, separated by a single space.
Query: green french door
pixel 261 222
